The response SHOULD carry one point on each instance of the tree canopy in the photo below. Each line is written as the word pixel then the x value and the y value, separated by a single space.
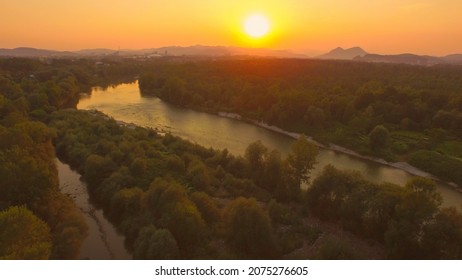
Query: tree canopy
pixel 23 236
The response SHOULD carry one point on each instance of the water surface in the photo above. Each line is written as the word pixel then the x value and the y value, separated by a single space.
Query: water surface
pixel 124 102
pixel 103 241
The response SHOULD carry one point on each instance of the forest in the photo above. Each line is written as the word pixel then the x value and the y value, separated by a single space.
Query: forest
pixel 168 195
pixel 37 221
pixel 173 199
pixel 395 112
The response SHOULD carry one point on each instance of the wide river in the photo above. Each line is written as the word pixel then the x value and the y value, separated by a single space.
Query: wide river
pixel 125 103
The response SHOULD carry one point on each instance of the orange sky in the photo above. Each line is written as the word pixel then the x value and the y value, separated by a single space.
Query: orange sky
pixel 379 26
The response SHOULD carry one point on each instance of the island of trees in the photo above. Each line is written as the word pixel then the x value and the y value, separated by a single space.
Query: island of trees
pixel 176 200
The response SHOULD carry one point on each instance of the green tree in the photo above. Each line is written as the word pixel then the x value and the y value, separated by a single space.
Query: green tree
pixel 421 202
pixel 378 138
pixel 302 159
pixel 442 238
pixel 198 175
pixel 382 210
pixel 98 168
pixel 23 236
pixel 25 178
pixel 255 154
pixel 328 192
pixel 172 209
pixel 314 117
pixel 297 168
pixel 333 248
pixel 126 203
pixel 187 226
pixel 155 244
pixel 207 206
pixel 417 209
pixel 175 90
pixel 249 230
pixel 274 169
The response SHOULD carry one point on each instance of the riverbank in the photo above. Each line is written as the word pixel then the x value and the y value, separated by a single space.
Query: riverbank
pixel 103 242
pixel 404 166
pixel 211 130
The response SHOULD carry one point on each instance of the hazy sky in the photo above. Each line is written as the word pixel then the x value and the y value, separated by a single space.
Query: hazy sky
pixel 381 26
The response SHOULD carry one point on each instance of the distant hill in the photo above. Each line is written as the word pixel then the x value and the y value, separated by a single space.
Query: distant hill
pixel 345 54
pixel 197 50
pixel 95 52
pixel 266 52
pixel 200 50
pixel 356 53
pixel 453 58
pixel 413 59
pixel 402 58
pixel 31 52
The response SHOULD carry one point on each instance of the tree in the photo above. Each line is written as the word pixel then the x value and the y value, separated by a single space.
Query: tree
pixel 299 164
pixel 381 210
pixel 186 225
pixel 442 238
pixel 273 171
pixel 24 178
pixel 415 211
pixel 378 138
pixel 173 210
pixel 198 175
pixel 67 224
pixel 98 168
pixel 333 248
pixel 126 203
pixel 207 207
pixel 421 202
pixel 175 90
pixel 255 154
pixel 155 244
pixel 329 191
pixel 23 236
pixel 314 117
pixel 249 230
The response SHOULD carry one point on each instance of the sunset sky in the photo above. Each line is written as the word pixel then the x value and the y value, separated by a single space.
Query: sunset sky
pixel 381 26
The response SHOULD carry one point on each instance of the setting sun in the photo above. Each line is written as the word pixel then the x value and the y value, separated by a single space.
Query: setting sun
pixel 256 26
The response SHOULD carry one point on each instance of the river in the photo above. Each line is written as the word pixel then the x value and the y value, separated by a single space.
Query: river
pixel 103 242
pixel 125 103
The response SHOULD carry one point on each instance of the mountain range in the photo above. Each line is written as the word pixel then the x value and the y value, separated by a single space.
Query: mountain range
pixel 197 50
pixel 411 59
pixel 344 54
pixel 358 54
pixel 355 53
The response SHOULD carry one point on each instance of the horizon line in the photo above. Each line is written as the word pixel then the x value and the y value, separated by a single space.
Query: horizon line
pixel 294 51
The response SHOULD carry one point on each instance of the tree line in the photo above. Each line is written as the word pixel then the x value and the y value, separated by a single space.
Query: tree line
pixel 176 200
pixel 164 191
pixel 37 221
pixel 397 112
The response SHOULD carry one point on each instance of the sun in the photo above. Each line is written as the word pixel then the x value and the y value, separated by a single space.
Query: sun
pixel 256 26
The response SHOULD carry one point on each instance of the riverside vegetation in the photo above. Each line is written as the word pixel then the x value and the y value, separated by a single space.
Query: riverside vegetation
pixel 174 199
pixel 396 112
